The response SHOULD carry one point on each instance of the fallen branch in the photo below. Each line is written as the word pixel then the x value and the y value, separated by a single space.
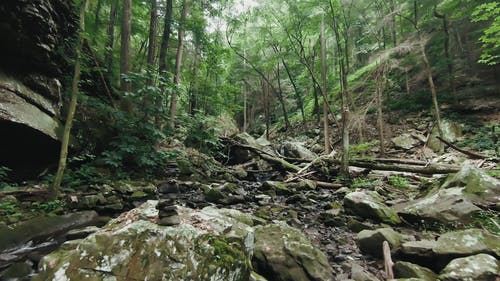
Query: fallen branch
pixel 388 264
pixel 471 154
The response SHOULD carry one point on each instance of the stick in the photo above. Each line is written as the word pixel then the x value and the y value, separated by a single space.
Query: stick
pixel 388 264
pixel 471 154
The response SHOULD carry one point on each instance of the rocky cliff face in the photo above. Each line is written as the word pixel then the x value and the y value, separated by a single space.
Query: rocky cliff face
pixel 34 35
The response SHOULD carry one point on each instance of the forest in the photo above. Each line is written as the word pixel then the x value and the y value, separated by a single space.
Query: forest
pixel 256 140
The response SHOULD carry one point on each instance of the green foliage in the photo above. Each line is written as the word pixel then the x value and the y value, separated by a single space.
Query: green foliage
pixel 362 148
pixel 4 172
pixel 481 137
pixel 417 101
pixel 362 183
pixel 49 206
pixel 487 219
pixel 135 134
pixel 8 208
pixel 398 181
pixel 490 40
pixel 201 134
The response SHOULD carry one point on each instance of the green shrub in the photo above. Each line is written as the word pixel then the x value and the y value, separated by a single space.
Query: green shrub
pixel 398 181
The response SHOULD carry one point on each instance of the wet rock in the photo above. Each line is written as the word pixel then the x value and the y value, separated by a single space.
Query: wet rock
pixel 370 241
pixel 405 141
pixel 446 206
pixel 280 188
pixel 422 248
pixel 17 271
pixel 367 206
pixel 409 270
pixel 80 233
pixel 467 242
pixel 451 132
pixel 284 253
pixel 358 273
pixel 204 246
pixel 479 187
pixel 42 227
pixel 480 267
pixel 297 150
pixel 254 276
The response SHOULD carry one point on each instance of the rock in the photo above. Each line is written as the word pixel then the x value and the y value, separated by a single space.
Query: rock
pixel 409 270
pixel 254 276
pixel 284 253
pixel 206 246
pixel 297 150
pixel 280 188
pixel 370 241
pixel 467 242
pixel 42 227
pixel 422 248
pixel 17 271
pixel 405 141
pixel 481 267
pixel 446 206
pixel 359 274
pixel 479 187
pixel 33 60
pixel 80 233
pixel 367 206
pixel 451 132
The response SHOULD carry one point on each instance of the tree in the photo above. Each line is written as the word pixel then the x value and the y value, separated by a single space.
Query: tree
pixel 165 39
pixel 63 156
pixel 178 63
pixel 490 39
pixel 110 39
pixel 125 45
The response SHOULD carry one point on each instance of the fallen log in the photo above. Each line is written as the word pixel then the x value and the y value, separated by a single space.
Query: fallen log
pixel 471 154
pixel 376 165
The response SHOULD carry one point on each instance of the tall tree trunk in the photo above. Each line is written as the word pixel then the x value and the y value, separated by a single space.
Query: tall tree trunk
pixel 281 99
pixel 110 40
pixel 178 63
pixel 428 71
pixel 153 23
pixel 344 94
pixel 449 59
pixel 193 98
pixel 125 44
pixel 63 156
pixel 393 24
pixel 265 90
pixel 415 12
pixel 97 20
pixel 326 123
pixel 379 88
pixel 298 97
pixel 167 26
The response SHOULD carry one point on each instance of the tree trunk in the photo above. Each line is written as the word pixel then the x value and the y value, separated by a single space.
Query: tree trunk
pixel 265 90
pixel 97 20
pixel 178 63
pixel 280 98
pixel 163 64
pixel 380 118
pixel 449 59
pixel 56 186
pixel 298 97
pixel 428 71
pixel 193 98
pixel 110 40
pixel 125 45
pixel 326 124
pixel 153 23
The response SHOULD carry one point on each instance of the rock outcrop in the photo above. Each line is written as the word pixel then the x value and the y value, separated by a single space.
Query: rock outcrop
pixel 34 35
pixel 207 245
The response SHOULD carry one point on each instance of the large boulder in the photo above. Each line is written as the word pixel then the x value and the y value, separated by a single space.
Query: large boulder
pixel 409 270
pixel 32 63
pixel 297 150
pixel 283 253
pixel 366 205
pixel 447 206
pixel 370 241
pixel 481 267
pixel 451 132
pixel 479 187
pixel 405 141
pixel 207 245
